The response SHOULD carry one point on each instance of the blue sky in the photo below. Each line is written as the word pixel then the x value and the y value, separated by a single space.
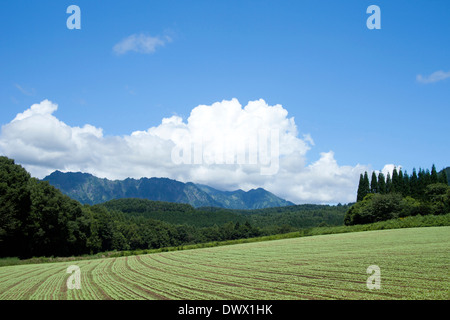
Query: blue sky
pixel 354 90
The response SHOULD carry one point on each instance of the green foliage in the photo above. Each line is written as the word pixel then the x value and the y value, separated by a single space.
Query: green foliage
pixel 410 207
pixel 423 193
pixel 374 183
pixel 430 198
pixel 35 218
pixel 388 183
pixel 381 183
pixel 364 186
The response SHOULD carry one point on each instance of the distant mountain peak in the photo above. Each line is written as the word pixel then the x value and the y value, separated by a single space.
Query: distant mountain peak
pixel 89 189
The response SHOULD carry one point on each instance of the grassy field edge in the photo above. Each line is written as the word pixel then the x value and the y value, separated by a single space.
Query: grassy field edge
pixel 407 222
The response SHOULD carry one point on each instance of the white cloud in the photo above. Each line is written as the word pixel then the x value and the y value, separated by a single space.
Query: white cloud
pixel 42 143
pixel 140 43
pixel 434 77
pixel 43 108
pixel 389 168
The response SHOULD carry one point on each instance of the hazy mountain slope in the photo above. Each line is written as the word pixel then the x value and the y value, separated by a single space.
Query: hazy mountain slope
pixel 89 189
pixel 252 199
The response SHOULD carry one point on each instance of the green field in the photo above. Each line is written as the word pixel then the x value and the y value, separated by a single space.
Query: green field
pixel 414 264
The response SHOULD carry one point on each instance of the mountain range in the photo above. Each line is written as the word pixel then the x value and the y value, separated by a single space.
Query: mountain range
pixel 88 189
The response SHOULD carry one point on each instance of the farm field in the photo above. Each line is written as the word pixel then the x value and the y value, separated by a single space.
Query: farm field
pixel 414 264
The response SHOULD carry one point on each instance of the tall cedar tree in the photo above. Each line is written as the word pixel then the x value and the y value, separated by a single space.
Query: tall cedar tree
pixel 421 183
pixel 395 184
pixel 406 185
pixel 414 184
pixel 363 187
pixel 434 175
pixel 366 184
pixel 374 183
pixel 381 183
pixel 359 194
pixel 443 177
pixel 427 177
pixel 401 186
pixel 388 183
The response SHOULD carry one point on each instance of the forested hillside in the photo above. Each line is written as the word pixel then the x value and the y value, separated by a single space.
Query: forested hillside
pixel 36 219
pixel 282 218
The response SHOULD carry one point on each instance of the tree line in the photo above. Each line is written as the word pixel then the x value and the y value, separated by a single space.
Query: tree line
pixel 421 193
pixel 413 185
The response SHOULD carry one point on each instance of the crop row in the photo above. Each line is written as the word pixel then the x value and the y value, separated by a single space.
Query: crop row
pixel 414 265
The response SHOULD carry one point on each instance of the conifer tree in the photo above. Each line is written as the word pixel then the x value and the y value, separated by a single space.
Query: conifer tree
pixel 421 184
pixel 366 184
pixel 401 186
pixel 360 193
pixel 364 187
pixel 424 180
pixel 395 181
pixel 374 183
pixel 413 184
pixel 406 186
pixel 381 183
pixel 434 175
pixel 443 177
pixel 427 177
pixel 388 183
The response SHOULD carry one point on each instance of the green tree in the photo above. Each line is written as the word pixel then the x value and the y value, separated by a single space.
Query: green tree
pixel 373 208
pixel 421 184
pixel 406 185
pixel 381 183
pixel 366 183
pixel 401 188
pixel 427 177
pixel 434 175
pixel 388 183
pixel 14 207
pixel 363 187
pixel 443 177
pixel 436 194
pixel 410 207
pixel 385 207
pixel 374 183
pixel 396 186
pixel 414 185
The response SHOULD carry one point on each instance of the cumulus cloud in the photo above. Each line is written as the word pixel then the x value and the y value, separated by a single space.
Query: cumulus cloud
pixel 140 43
pixel 434 77
pixel 389 168
pixel 225 145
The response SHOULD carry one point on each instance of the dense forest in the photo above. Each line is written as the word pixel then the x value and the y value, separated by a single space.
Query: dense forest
pixel 36 219
pixel 383 198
